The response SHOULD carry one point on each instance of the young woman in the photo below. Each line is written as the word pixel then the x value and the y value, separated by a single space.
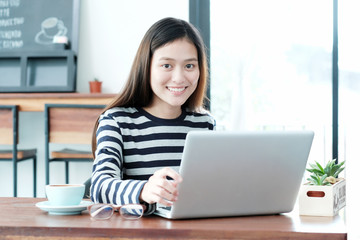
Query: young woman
pixel 139 139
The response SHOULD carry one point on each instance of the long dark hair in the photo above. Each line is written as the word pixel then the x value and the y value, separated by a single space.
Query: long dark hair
pixel 137 91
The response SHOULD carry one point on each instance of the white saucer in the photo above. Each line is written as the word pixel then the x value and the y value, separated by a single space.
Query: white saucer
pixel 63 210
pixel 42 38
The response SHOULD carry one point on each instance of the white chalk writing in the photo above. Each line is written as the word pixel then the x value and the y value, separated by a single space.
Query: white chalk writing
pixel 10 38
pixel 9 3
pixel 4 3
pixel 10 44
pixel 4 12
pixel 12 22
pixel 10 34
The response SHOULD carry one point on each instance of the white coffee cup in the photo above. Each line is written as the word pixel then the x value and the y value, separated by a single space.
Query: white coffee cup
pixel 52 26
pixel 65 194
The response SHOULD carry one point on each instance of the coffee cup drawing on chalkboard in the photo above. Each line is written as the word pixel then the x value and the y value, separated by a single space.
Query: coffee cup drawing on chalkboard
pixel 50 28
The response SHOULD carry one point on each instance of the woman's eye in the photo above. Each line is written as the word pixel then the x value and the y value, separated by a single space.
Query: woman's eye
pixel 189 66
pixel 166 66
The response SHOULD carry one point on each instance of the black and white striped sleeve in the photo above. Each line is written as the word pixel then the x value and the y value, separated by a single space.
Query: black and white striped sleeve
pixel 108 185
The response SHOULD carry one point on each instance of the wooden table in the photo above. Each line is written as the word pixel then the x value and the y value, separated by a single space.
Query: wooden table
pixel 21 219
pixel 36 101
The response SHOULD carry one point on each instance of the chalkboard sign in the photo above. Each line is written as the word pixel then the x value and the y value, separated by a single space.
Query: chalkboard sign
pixel 38 45
pixel 34 24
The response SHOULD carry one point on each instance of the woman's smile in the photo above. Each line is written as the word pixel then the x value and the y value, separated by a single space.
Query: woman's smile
pixel 176 89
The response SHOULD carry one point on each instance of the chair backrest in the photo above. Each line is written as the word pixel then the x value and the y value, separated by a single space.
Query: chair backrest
pixel 71 123
pixel 8 124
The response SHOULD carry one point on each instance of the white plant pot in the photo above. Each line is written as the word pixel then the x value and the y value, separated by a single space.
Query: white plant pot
pixel 322 200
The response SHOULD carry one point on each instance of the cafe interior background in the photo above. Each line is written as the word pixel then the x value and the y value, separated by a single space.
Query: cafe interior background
pixel 271 69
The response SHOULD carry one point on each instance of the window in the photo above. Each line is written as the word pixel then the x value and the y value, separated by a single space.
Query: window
pixel 349 99
pixel 271 67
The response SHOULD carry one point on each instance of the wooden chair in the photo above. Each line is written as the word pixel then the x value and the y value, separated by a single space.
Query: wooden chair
pixel 9 135
pixel 68 124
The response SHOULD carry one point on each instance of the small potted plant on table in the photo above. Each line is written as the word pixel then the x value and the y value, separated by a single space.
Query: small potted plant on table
pixel 324 194
pixel 95 86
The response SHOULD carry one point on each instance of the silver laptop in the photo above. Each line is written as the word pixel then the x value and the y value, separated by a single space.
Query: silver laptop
pixel 239 173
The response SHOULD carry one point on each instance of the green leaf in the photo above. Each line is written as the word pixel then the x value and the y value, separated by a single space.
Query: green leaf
pixel 314 177
pixel 310 170
pixel 333 170
pixel 338 172
pixel 320 167
pixel 311 181
pixel 342 163
pixel 314 166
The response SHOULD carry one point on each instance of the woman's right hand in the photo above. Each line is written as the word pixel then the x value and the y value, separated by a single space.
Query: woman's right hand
pixel 159 189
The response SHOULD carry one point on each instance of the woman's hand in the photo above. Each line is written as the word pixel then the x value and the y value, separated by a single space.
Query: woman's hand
pixel 159 189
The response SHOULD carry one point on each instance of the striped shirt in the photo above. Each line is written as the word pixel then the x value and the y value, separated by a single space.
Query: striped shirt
pixel 132 144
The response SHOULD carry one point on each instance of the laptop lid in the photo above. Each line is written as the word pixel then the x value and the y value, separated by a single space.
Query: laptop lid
pixel 240 173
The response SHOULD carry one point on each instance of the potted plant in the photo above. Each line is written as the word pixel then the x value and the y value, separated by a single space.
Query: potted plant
pixel 324 193
pixel 95 86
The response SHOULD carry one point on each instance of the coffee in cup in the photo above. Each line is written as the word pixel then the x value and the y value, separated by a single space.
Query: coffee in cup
pixel 64 194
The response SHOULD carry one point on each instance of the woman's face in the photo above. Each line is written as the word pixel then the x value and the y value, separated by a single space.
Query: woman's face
pixel 174 74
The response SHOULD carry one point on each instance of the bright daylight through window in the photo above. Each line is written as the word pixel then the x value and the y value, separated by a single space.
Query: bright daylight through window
pixel 271 69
